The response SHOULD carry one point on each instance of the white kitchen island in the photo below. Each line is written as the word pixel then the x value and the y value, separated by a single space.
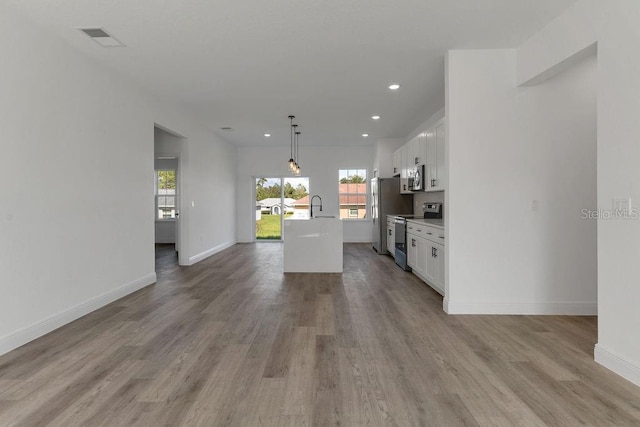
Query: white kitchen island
pixel 313 245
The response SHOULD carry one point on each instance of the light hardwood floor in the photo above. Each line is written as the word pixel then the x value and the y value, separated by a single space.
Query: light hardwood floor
pixel 233 341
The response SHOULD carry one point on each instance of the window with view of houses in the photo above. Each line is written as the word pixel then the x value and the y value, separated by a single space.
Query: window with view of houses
pixel 352 189
pixel 165 194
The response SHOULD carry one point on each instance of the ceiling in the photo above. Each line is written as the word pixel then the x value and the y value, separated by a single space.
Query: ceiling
pixel 248 64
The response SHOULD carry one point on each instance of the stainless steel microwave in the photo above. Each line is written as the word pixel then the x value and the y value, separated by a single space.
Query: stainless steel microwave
pixel 417 184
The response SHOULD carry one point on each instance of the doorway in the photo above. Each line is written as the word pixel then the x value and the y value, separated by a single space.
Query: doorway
pixel 168 172
pixel 277 199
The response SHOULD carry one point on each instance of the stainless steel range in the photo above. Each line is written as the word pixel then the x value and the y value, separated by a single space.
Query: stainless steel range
pixel 430 210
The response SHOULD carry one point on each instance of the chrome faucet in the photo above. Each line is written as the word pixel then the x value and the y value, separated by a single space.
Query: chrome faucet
pixel 311 204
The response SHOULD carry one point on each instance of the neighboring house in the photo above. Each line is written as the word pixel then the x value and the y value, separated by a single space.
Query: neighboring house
pixel 353 200
pixel 273 205
pixel 301 204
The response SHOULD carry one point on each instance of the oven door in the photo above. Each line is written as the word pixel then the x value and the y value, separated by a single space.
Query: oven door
pixel 401 236
pixel 401 244
pixel 418 179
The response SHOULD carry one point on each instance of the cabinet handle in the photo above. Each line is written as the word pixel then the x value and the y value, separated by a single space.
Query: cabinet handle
pixel 429 233
pixel 389 232
pixel 432 253
pixel 404 187
pixel 413 243
pixel 415 161
pixel 395 170
pixel 419 230
pixel 435 252
pixel 441 237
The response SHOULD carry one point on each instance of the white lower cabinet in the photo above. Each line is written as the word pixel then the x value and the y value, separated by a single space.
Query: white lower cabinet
pixel 425 254
pixel 417 254
pixel 434 273
pixel 391 239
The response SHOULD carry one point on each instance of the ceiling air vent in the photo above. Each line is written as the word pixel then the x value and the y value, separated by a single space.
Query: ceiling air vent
pixel 100 36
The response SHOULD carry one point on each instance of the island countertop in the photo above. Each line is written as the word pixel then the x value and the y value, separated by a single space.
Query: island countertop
pixel 313 245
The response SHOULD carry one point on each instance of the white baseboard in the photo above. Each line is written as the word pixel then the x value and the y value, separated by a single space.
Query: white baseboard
pixel 355 239
pixel 206 254
pixel 45 326
pixel 617 364
pixel 522 308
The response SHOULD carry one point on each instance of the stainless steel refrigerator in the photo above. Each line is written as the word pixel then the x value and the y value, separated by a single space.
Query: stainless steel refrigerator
pixel 386 200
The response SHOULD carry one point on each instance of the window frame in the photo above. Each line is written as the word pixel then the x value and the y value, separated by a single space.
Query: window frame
pixel 157 195
pixel 348 216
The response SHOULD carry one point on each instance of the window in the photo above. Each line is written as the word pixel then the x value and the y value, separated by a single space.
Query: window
pixel 165 194
pixel 352 190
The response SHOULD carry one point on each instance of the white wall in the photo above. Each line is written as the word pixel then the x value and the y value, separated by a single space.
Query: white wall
pixel 76 217
pixel 614 26
pixel 320 164
pixel 507 147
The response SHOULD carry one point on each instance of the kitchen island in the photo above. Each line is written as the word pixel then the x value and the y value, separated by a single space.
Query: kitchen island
pixel 313 245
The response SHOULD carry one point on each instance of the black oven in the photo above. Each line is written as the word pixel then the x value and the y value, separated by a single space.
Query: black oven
pixel 401 242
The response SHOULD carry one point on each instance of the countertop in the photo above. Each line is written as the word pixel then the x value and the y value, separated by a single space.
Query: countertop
pixel 438 223
pixel 405 215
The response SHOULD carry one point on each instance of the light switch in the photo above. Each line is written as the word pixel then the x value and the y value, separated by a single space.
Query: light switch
pixel 622 205
pixel 534 205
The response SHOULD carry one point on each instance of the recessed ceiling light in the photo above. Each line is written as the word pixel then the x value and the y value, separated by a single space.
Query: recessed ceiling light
pixel 103 38
pixel 267 135
pixel 394 86
pixel 364 135
pixel 375 117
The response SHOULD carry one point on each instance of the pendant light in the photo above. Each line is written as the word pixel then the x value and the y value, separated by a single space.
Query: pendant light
pixel 294 168
pixel 292 162
pixel 297 171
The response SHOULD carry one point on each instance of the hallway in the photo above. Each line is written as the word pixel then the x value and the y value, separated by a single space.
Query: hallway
pixel 233 341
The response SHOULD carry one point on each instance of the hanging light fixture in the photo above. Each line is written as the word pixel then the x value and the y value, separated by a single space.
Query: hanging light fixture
pixel 292 162
pixel 297 171
pixel 294 168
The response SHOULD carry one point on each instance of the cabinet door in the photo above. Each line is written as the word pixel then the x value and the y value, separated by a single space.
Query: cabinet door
pixel 439 252
pixel 412 250
pixel 391 240
pixel 422 256
pixel 435 267
pixel 404 169
pixel 432 156
pixel 396 162
pixel 432 272
pixel 439 183
pixel 420 149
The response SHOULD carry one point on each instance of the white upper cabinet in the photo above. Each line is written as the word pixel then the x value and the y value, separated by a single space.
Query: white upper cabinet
pixel 420 149
pixel 425 149
pixel 405 171
pixel 397 166
pixel 435 164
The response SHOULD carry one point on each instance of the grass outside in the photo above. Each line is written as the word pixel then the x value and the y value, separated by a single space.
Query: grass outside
pixel 268 228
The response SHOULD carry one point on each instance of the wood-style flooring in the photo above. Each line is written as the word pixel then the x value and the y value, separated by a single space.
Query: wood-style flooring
pixel 234 341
